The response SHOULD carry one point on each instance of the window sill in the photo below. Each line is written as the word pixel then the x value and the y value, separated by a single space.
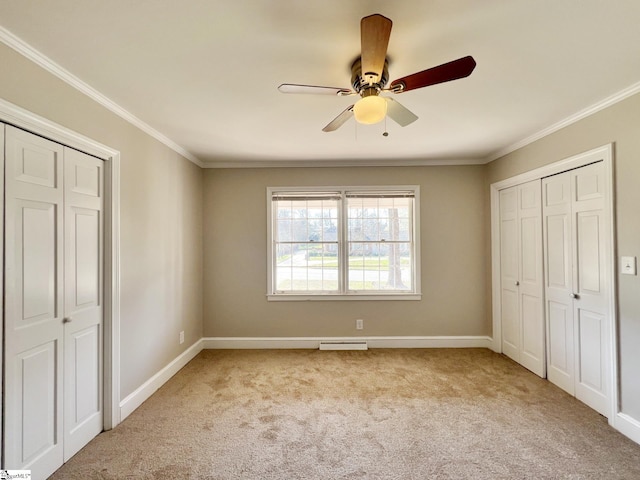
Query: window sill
pixel 285 297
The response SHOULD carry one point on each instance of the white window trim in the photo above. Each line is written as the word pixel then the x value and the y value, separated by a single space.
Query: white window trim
pixel 279 297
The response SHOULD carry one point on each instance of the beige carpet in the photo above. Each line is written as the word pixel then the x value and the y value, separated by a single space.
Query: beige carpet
pixel 379 414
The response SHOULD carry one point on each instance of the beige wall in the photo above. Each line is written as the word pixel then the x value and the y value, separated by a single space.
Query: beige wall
pixel 161 220
pixel 619 124
pixel 453 262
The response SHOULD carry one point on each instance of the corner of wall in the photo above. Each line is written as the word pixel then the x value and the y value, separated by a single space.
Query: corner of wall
pixel 148 388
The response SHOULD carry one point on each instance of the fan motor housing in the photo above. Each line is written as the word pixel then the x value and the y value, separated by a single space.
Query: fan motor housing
pixel 359 83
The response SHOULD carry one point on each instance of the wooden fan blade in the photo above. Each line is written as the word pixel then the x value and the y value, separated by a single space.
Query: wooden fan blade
pixel 399 113
pixel 374 40
pixel 314 89
pixel 340 120
pixel 442 73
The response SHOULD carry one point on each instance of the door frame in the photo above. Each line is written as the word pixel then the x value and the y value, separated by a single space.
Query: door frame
pixel 604 154
pixel 14 115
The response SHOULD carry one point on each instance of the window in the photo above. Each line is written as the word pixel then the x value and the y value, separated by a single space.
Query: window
pixel 343 243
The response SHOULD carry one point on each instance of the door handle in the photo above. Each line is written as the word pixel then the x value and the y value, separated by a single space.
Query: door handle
pixel 517 283
pixel 575 295
pixel 66 320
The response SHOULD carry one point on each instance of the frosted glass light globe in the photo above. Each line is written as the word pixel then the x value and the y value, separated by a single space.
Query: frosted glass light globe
pixel 370 110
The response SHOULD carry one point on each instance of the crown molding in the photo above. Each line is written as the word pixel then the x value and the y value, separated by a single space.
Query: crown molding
pixel 383 162
pixel 584 113
pixel 52 67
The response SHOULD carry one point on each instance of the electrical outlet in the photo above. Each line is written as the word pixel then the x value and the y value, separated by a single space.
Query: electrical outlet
pixel 359 324
pixel 628 265
pixel 181 337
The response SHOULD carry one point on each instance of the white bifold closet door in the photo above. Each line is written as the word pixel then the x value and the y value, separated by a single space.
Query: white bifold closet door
pixel 576 242
pixel 522 286
pixel 53 301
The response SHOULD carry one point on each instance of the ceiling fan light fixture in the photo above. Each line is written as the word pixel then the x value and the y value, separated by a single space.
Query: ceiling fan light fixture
pixel 369 76
pixel 370 109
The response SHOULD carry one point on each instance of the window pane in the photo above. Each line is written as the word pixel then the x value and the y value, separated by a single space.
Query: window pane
pixel 357 257
pixel 283 230
pixel 314 230
pixel 380 266
pixel 356 231
pixel 371 228
pixel 403 210
pixel 305 267
pixel 300 231
pixel 329 230
pixel 354 216
pixel 404 230
pixel 283 208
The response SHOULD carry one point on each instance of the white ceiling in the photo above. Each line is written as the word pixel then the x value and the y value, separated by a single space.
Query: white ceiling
pixel 205 73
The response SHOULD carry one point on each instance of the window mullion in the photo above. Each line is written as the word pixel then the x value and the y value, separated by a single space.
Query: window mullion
pixel 412 244
pixel 307 220
pixel 343 247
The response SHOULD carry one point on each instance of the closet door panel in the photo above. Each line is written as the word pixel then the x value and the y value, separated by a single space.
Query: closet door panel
pixel 35 241
pixel 558 258
pixel 33 303
pixel 591 237
pixel 530 244
pixel 588 183
pixel 560 337
pixel 510 325
pixel 509 274
pixel 588 254
pixel 558 280
pixel 36 379
pixel 83 203
pixel 590 350
pixel 532 341
pixel 577 245
pixel 522 285
pixel 560 327
pixel 532 332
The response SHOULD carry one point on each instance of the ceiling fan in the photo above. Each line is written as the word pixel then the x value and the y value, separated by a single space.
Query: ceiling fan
pixel 369 76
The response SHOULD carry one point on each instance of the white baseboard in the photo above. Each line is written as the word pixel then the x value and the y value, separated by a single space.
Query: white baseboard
pixel 135 399
pixel 628 426
pixel 372 342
